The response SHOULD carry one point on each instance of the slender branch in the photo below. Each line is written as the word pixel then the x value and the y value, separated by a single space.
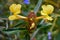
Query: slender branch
pixel 22 17
pixel 34 34
pixel 6 24
pixel 53 24
pixel 40 17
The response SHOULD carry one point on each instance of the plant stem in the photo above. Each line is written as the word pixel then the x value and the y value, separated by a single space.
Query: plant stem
pixel 53 24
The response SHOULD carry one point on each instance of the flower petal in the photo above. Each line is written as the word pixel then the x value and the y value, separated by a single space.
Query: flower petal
pixel 48 18
pixel 15 8
pixel 47 9
pixel 42 13
pixel 13 17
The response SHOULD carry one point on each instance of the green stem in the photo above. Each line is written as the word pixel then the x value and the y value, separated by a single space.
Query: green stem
pixel 53 24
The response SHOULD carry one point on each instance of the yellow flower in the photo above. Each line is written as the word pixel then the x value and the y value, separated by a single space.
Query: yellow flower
pixel 15 8
pixel 13 17
pixel 47 9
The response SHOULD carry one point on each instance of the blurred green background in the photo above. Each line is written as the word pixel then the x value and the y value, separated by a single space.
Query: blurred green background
pixel 16 30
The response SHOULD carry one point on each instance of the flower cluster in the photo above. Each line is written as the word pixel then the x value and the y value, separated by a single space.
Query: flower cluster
pixel 31 18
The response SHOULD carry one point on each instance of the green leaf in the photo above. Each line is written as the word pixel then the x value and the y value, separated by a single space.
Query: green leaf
pixel 12 29
pixel 37 6
pixel 20 23
pixel 11 32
